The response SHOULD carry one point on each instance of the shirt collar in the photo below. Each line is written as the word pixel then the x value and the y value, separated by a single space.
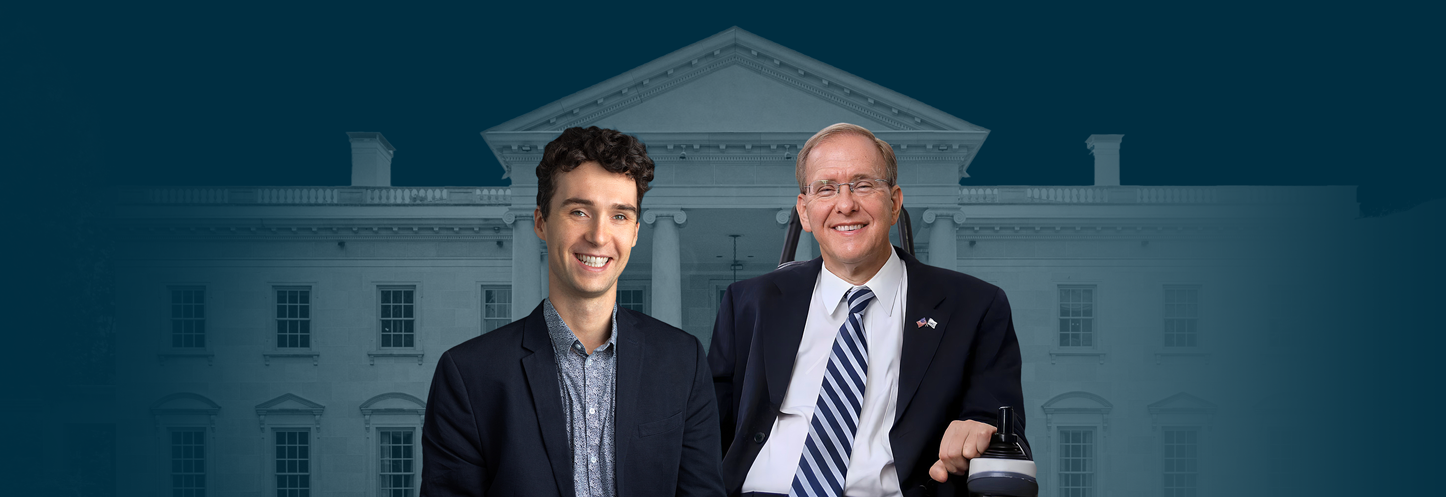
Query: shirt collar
pixel 830 289
pixel 562 336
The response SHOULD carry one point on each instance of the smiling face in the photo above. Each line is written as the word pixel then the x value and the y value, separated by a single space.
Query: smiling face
pixel 852 230
pixel 591 228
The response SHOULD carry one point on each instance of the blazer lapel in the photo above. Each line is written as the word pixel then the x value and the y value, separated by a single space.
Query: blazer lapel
pixel 541 370
pixel 630 360
pixel 782 317
pixel 920 342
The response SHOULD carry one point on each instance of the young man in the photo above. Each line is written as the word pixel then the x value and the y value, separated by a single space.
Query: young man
pixel 864 372
pixel 580 398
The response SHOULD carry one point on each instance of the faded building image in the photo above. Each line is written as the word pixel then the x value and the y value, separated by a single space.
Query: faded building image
pixel 281 340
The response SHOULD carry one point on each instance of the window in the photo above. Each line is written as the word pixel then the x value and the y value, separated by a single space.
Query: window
pixel 1179 422
pixel 184 421
pixel 1076 462
pixel 188 318
pixel 398 462
pixel 1182 463
pixel 1077 316
pixel 393 421
pixel 1082 433
pixel 1182 316
pixel 293 318
pixel 293 463
pixel 496 307
pixel 631 298
pixel 188 462
pixel 397 318
pixel 290 419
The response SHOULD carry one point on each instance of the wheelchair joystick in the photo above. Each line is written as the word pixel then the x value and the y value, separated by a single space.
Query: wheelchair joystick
pixel 1003 470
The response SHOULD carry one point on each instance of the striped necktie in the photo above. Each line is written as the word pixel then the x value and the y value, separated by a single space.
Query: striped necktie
pixel 825 460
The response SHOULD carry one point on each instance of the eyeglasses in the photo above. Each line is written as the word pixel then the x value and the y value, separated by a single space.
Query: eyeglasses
pixel 825 189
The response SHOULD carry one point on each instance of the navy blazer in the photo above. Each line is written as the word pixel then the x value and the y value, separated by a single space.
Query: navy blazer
pixel 964 367
pixel 495 424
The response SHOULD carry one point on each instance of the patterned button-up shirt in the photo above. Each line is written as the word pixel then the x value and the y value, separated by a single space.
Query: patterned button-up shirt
pixel 588 384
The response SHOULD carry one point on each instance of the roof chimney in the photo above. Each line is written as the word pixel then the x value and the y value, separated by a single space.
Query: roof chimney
pixel 371 159
pixel 1106 149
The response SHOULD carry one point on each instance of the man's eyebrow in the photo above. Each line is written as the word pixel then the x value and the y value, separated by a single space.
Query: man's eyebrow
pixel 582 201
pixel 855 177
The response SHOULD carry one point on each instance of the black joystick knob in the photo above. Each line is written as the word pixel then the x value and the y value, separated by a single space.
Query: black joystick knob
pixel 1003 470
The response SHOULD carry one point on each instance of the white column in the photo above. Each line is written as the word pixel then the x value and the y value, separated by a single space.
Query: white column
pixel 526 292
pixel 943 237
pixel 667 266
pixel 806 243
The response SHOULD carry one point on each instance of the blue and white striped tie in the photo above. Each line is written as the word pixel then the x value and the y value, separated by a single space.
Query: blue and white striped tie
pixel 825 460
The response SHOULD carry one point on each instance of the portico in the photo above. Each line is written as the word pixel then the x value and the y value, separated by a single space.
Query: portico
pixel 723 120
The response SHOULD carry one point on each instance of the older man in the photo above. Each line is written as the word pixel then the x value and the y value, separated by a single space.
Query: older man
pixel 863 372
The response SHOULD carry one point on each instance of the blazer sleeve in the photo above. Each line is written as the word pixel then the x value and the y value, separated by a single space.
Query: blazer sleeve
pixel 453 464
pixel 995 370
pixel 722 360
pixel 699 467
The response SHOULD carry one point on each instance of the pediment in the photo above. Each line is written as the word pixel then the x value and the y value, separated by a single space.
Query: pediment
pixel 737 90
pixel 1181 403
pixel 391 409
pixel 738 69
pixel 185 403
pixel 1077 402
pixel 735 98
pixel 393 402
pixel 288 403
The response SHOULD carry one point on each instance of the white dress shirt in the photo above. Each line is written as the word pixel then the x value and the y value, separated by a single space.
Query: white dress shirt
pixel 871 464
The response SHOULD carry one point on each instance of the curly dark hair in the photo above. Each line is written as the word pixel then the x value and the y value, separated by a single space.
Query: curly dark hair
pixel 615 151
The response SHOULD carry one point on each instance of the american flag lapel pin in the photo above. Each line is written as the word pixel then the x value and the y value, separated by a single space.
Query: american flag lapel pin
pixel 923 321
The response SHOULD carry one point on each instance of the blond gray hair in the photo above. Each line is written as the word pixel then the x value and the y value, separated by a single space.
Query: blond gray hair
pixel 891 163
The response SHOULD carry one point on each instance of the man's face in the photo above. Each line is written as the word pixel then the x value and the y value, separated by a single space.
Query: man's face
pixel 851 229
pixel 592 228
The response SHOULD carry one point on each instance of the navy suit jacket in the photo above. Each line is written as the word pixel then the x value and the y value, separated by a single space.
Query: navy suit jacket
pixel 495 424
pixel 965 367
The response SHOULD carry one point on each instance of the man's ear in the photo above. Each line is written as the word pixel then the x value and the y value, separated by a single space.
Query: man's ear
pixel 539 224
pixel 897 197
pixel 802 209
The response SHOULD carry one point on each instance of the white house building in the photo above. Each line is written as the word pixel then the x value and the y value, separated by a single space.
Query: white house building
pixel 281 340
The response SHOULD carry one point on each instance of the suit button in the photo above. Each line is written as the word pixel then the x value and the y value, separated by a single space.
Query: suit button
pixel 759 437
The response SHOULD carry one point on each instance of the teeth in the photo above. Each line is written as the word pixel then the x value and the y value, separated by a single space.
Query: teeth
pixel 850 227
pixel 593 261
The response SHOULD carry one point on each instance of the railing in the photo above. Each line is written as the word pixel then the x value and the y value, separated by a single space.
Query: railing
pixel 1127 195
pixel 346 195
pixel 323 195
pixel 296 195
pixel 969 195
pixel 1177 195
pixel 179 196
pixel 406 195
pixel 1060 195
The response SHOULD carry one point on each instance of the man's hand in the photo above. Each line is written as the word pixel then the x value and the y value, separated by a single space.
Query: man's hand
pixel 964 440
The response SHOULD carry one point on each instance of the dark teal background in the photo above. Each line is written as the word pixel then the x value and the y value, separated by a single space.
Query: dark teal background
pixel 1274 93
